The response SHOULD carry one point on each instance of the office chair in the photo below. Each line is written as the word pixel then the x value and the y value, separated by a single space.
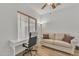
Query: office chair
pixel 28 50
pixel 29 47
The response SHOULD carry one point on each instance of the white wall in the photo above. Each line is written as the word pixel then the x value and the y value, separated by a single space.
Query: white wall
pixel 8 24
pixel 66 20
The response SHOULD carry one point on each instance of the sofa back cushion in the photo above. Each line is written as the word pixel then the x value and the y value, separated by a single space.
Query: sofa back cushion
pixel 52 36
pixel 59 36
pixel 46 36
pixel 67 38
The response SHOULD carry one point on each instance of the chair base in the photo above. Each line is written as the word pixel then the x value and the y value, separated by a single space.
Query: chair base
pixel 29 51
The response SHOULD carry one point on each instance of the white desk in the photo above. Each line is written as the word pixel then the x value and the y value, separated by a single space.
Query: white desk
pixel 15 43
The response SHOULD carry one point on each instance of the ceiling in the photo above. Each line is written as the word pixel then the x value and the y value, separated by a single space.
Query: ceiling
pixel 48 9
pixel 45 15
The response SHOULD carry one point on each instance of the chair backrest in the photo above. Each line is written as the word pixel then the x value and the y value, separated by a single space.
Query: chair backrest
pixel 32 39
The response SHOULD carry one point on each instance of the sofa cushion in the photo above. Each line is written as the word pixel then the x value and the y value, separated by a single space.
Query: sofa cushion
pixel 48 41
pixel 62 43
pixel 59 36
pixel 52 36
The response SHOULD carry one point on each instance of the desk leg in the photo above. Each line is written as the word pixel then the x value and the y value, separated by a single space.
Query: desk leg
pixel 14 51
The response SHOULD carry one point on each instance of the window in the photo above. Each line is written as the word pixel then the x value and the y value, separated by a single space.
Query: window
pixel 26 24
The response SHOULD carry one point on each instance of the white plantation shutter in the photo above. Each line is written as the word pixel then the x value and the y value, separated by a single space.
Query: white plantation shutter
pixel 22 27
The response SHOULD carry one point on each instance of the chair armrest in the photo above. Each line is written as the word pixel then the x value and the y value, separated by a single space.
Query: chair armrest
pixel 25 45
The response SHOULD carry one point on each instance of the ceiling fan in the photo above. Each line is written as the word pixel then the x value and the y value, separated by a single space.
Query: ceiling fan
pixel 53 5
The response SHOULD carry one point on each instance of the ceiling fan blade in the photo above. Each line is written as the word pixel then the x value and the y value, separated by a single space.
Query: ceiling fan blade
pixel 53 5
pixel 44 6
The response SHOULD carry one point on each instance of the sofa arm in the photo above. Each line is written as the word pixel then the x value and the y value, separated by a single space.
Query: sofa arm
pixel 73 43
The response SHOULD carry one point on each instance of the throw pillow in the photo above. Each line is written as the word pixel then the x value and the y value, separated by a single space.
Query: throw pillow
pixel 67 38
pixel 45 36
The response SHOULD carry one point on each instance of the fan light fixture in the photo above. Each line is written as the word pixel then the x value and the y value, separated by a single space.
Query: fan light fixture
pixel 53 6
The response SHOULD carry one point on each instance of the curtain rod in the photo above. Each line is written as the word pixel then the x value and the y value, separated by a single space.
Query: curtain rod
pixel 26 15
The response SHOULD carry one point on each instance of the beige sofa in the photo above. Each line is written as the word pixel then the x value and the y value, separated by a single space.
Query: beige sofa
pixel 56 42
